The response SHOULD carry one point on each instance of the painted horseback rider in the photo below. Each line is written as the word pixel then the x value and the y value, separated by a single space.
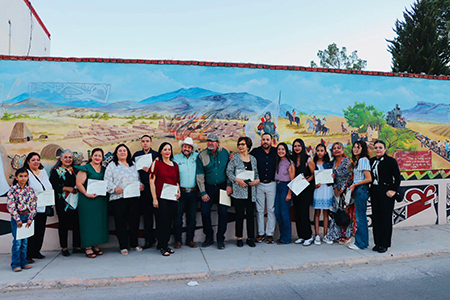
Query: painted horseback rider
pixel 267 126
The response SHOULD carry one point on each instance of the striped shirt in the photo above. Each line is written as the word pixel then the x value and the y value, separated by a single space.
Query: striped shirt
pixel 363 165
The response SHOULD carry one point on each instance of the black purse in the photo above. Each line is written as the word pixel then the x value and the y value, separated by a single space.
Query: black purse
pixel 340 216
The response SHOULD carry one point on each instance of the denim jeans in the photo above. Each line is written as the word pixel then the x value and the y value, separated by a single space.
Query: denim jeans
pixel 361 196
pixel 222 211
pixel 19 247
pixel 188 201
pixel 282 212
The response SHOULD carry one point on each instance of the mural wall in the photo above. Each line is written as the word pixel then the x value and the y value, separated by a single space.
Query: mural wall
pixel 48 106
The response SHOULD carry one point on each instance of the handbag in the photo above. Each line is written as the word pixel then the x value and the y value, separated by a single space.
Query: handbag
pixel 340 216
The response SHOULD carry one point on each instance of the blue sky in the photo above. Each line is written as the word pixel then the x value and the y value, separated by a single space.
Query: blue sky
pixel 285 32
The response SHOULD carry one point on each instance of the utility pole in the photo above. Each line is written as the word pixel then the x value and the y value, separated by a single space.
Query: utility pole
pixel 9 49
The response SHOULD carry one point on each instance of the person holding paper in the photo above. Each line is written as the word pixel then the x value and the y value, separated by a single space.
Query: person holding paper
pixel 63 180
pixel 92 208
pixel 145 200
pixel 21 204
pixel 211 178
pixel 38 180
pixel 244 190
pixel 164 171
pixel 360 188
pixel 118 175
pixel 285 172
pixel 187 164
pixel 302 202
pixel 323 194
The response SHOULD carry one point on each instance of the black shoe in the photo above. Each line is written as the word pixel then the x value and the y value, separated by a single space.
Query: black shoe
pixel 251 243
pixel 207 243
pixel 240 243
pixel 77 250
pixel 39 256
pixel 376 248
pixel 65 252
pixel 147 245
pixel 220 245
pixel 382 249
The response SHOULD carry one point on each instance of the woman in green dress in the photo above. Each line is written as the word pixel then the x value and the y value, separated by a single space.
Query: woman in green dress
pixel 92 209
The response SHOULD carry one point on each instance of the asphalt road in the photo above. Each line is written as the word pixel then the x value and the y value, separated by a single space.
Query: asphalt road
pixel 419 278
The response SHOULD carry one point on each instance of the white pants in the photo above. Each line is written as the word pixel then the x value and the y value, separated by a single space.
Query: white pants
pixel 265 199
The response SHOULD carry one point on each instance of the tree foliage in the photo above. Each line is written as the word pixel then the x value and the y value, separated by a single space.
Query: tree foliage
pixel 422 41
pixel 397 139
pixel 336 58
pixel 360 115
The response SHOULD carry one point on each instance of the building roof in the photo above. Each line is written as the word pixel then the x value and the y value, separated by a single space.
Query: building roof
pixel 35 14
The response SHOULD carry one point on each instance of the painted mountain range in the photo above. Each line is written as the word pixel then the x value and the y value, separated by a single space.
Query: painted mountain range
pixel 428 112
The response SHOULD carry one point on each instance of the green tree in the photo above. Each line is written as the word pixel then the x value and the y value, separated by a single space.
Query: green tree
pixel 360 115
pixel 336 58
pixel 397 139
pixel 422 41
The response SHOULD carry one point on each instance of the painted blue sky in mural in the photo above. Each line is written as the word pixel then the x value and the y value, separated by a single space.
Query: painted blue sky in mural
pixel 310 92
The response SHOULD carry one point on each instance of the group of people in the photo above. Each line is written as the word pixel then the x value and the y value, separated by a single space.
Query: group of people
pixel 257 177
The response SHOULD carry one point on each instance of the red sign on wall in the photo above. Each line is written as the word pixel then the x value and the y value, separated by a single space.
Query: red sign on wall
pixel 414 160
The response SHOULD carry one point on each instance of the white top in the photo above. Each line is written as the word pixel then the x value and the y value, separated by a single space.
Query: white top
pixel 119 176
pixel 37 187
pixel 363 165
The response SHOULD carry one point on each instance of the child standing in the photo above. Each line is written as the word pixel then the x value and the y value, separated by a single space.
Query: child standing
pixel 21 204
pixel 323 194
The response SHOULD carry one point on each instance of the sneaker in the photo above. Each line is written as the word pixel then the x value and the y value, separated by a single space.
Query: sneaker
pixel 354 247
pixel 260 238
pixel 327 240
pixel 308 241
pixel 270 240
pixel 299 241
pixel 138 248
pixel 317 240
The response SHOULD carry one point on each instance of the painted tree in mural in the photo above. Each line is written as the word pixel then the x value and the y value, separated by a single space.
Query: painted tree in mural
pixel 397 139
pixel 361 115
pixel 422 44
pixel 336 58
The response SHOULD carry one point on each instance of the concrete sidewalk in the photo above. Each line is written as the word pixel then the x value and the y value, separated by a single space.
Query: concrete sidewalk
pixel 56 271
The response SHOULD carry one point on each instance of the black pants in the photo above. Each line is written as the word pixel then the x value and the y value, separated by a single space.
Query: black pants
pixel 245 209
pixel 382 208
pixel 65 219
pixel 126 212
pixel 35 242
pixel 165 215
pixel 147 211
pixel 302 204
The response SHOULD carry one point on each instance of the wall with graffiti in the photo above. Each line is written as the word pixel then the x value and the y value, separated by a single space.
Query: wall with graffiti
pixel 47 106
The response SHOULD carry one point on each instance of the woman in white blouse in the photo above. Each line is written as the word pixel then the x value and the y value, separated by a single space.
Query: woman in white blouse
pixel 39 181
pixel 120 173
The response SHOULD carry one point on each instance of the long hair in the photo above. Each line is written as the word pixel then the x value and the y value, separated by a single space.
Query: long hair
pixel 162 147
pixel 302 155
pixel 20 171
pixel 326 157
pixel 29 157
pixel 96 150
pixel 364 152
pixel 59 162
pixel 279 158
pixel 116 158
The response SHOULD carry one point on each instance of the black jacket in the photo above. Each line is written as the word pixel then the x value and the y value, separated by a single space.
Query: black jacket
pixel 388 173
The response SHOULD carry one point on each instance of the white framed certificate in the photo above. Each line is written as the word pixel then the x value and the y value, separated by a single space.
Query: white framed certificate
pixel 45 198
pixel 97 187
pixel 24 232
pixel 72 200
pixel 298 184
pixel 244 174
pixel 224 199
pixel 169 192
pixel 142 161
pixel 323 176
pixel 132 190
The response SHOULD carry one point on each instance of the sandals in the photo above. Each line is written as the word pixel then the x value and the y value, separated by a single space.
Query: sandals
pixel 170 250
pixel 124 251
pixel 90 253
pixel 97 250
pixel 164 252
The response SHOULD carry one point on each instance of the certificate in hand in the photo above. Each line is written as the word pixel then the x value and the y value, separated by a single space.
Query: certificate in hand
pixel 323 176
pixel 72 200
pixel 224 199
pixel 97 187
pixel 132 190
pixel 298 184
pixel 23 232
pixel 144 161
pixel 45 198
pixel 348 197
pixel 169 192
pixel 243 174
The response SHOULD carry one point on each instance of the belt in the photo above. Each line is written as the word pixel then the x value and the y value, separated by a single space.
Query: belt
pixel 279 181
pixel 267 181
pixel 217 184
pixel 188 190
pixel 24 213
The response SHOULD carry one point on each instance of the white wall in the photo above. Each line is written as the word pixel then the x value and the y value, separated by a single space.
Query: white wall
pixel 18 13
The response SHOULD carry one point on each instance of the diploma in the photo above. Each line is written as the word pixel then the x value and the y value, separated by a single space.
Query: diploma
pixel 143 161
pixel 72 200
pixel 97 187
pixel 23 232
pixel 45 198
pixel 169 192
pixel 243 174
pixel 132 190
pixel 224 199
pixel 323 176
pixel 298 184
